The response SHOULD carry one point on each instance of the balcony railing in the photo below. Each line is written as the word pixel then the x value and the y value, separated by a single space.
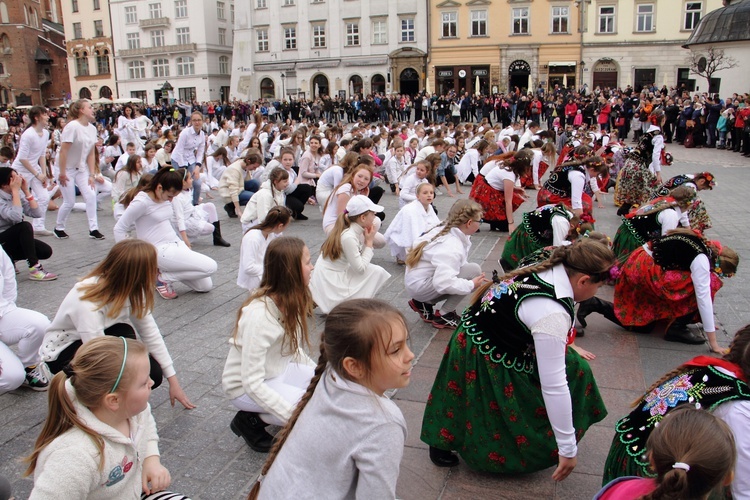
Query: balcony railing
pixel 153 23
pixel 164 49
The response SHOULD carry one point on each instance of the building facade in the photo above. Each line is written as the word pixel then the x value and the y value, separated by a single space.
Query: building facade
pixel 90 49
pixel 173 49
pixel 489 46
pixel 33 61
pixel 306 48
pixel 639 42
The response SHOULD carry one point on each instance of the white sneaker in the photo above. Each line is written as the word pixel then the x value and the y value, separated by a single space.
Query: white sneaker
pixel 42 232
pixel 438 192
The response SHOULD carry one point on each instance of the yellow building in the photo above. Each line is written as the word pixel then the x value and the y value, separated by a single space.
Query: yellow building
pixel 503 44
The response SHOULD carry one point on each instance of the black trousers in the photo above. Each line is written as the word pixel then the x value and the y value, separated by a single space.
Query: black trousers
pixel 19 243
pixel 116 330
pixel 298 198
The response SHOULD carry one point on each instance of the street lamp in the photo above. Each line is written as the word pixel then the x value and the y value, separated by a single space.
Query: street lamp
pixel 283 86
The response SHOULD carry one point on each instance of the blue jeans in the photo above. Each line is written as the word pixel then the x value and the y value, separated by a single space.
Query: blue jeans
pixel 251 187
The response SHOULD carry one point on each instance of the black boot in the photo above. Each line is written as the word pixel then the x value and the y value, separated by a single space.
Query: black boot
pixel 595 304
pixel 624 209
pixel 443 458
pixel 252 429
pixel 229 207
pixel 218 240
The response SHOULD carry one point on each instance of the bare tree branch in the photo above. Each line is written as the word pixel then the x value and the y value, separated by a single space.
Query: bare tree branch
pixel 708 63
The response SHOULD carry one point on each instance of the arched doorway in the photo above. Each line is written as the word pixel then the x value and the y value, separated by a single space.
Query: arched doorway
pixel 355 85
pixel 518 74
pixel 605 74
pixel 320 86
pixel 84 93
pixel 105 92
pixel 408 82
pixel 267 89
pixel 378 83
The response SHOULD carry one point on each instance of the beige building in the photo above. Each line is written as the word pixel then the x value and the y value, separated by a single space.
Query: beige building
pixel 503 44
pixel 88 33
pixel 639 42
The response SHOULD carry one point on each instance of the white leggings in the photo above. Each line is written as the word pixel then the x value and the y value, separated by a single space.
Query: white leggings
pixel 468 271
pixel 103 190
pixel 25 328
pixel 178 263
pixel 378 242
pixel 290 385
pixel 42 198
pixel 78 178
pixel 201 223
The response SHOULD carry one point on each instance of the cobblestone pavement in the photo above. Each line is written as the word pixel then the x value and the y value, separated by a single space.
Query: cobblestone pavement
pixel 207 461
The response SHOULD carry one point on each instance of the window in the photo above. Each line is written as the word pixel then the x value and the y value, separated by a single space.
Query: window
pixel 478 23
pixel 82 64
pixel 521 21
pixel 77 32
pixel 185 66
pixel 262 36
pixel 157 38
pixel 352 34
pixel 560 19
pixel 379 33
pixel 75 5
pixel 287 3
pixel 450 24
pixel 183 36
pixel 180 9
pixel 154 10
pixel 645 17
pixel 317 1
pixel 97 5
pixel 222 36
pixel 221 12
pixel 224 65
pixel 692 15
pixel 290 38
pixel 98 28
pixel 131 17
pixel 136 70
pixel 607 19
pixel 319 36
pixel 134 41
pixel 407 30
pixel 160 67
pixel 102 62
pixel 231 13
pixel 261 4
pixel 186 94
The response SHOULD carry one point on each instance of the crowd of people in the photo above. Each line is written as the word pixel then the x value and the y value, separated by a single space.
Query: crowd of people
pixel 514 392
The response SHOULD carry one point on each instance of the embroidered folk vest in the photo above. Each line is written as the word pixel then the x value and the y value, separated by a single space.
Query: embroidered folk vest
pixel 558 183
pixel 538 223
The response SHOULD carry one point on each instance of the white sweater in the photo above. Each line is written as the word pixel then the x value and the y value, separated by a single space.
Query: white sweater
pixel 68 468
pixel 256 355
pixel 77 319
pixel 258 206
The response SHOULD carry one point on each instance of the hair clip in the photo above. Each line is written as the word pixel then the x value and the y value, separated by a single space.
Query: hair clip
pixel 495 277
pixel 681 465
pixel 172 170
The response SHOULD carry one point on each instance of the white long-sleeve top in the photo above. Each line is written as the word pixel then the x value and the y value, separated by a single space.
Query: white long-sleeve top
pixel 577 182
pixel 409 183
pixel 535 161
pixel 182 206
pixel 736 414
pixel 123 183
pixel 255 355
pixel 31 147
pixel 353 250
pixel 9 291
pixel 468 165
pixel 441 262
pixel 394 168
pixel 189 148
pixel 655 165
pixel 258 206
pixel 152 221
pixel 252 253
pixel 68 467
pixel 78 319
pixel 550 323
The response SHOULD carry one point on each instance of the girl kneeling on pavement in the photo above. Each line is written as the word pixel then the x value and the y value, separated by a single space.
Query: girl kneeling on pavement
pixel 437 267
pixel 267 370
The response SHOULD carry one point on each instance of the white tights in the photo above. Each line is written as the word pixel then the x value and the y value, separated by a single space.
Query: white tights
pixel 25 328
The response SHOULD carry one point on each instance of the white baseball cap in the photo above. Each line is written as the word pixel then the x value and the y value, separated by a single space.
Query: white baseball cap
pixel 360 204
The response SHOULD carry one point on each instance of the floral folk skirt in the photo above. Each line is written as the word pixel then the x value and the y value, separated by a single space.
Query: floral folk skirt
pixel 518 246
pixel 492 200
pixel 495 417
pixel 545 197
pixel 624 243
pixel 635 182
pixel 645 292
pixel 527 180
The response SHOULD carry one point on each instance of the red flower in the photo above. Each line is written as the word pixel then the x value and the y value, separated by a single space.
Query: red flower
pixel 473 351
pixel 589 387
pixel 447 349
pixel 461 339
pixel 512 417
pixel 509 390
pixel 550 433
pixel 447 435
pixel 471 376
pixel 496 457
pixel 541 412
pixel 429 398
pixel 468 425
pixel 494 406
pixel 521 440
pixel 496 437
pixel 449 414
pixel 453 386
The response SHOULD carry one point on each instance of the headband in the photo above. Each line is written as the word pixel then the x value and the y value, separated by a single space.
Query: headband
pixel 122 368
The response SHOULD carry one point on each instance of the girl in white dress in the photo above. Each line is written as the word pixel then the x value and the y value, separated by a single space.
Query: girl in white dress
pixel 344 267
pixel 127 127
pixel 254 244
pixel 411 222
pixel 194 221
pixel 411 178
pixel 333 176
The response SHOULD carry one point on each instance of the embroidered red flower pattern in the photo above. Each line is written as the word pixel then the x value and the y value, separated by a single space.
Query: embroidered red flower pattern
pixel 494 406
pixel 468 426
pixel 496 457
pixel 509 390
pixel 453 386
pixel 521 440
pixel 461 340
pixel 471 376
pixel 447 435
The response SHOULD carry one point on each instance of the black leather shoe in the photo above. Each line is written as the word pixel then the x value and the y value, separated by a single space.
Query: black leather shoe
pixel 229 207
pixel 252 429
pixel 683 335
pixel 443 458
